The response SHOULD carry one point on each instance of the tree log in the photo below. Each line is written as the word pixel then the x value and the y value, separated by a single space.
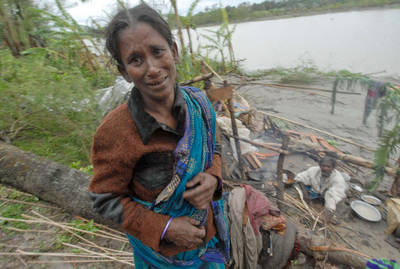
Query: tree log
pixel 48 180
pixel 317 247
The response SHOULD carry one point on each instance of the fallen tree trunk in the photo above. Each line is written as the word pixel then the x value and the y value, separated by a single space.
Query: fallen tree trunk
pixel 48 180
pixel 317 247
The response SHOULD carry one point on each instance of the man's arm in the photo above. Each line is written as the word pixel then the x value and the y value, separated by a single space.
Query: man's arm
pixel 336 192
pixel 305 177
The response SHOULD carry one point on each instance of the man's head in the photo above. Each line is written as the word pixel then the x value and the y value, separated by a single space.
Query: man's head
pixel 327 164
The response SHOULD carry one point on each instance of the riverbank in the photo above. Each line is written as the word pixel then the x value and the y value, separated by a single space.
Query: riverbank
pixel 308 12
pixel 319 12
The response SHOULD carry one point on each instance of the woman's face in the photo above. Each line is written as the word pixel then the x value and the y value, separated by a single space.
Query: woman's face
pixel 148 61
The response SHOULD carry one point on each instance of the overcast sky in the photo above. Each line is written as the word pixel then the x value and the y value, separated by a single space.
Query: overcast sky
pixel 98 9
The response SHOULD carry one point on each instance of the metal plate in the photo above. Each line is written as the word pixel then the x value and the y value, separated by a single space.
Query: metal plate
pixel 371 199
pixel 356 187
pixel 366 211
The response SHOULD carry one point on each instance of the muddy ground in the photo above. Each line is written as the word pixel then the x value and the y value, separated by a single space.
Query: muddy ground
pixel 313 108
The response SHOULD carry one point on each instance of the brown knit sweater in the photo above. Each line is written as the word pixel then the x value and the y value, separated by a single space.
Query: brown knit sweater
pixel 117 148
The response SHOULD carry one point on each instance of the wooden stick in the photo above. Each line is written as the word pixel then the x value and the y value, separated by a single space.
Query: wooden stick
pixel 22 261
pixel 27 230
pixel 21 220
pixel 71 261
pixel 236 134
pixel 304 202
pixel 27 203
pixel 66 228
pixel 263 145
pixel 197 79
pixel 315 223
pixel 328 248
pixel 100 254
pixel 300 206
pixel 212 70
pixel 35 220
pixel 279 170
pixel 52 254
pixel 318 130
pixel 102 226
pixel 112 250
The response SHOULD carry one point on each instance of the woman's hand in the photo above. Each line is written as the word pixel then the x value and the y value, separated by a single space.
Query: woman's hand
pixel 183 231
pixel 201 190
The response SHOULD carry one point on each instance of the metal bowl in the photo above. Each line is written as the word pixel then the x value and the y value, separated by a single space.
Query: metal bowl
pixel 371 199
pixel 366 211
pixel 356 187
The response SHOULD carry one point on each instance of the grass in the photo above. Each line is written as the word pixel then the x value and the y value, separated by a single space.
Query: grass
pixel 14 210
pixel 54 233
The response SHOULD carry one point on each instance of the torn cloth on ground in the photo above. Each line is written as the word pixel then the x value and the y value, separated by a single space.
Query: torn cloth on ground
pixel 249 206
pixel 260 211
pixel 245 245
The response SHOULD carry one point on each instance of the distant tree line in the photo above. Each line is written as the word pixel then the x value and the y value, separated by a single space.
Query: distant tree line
pixel 247 11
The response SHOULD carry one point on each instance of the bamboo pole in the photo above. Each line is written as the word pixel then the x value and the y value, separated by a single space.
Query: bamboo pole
pixel 279 169
pixel 233 122
pixel 99 254
pixel 63 227
pixel 27 203
pixel 197 79
pixel 262 145
pixel 71 261
pixel 305 204
pixel 212 70
pixel 236 134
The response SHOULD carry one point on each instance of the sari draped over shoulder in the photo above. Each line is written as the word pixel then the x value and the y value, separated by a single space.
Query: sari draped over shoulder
pixel 193 154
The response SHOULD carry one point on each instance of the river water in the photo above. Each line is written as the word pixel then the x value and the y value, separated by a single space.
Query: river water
pixel 359 41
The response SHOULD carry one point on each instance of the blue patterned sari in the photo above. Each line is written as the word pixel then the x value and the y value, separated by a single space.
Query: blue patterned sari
pixel 193 154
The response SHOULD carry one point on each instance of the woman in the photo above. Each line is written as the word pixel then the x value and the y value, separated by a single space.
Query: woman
pixel 156 167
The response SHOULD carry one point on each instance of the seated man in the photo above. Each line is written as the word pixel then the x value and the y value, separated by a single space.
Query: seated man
pixel 325 182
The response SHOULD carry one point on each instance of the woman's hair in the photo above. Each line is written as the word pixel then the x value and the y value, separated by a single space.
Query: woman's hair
pixel 130 18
